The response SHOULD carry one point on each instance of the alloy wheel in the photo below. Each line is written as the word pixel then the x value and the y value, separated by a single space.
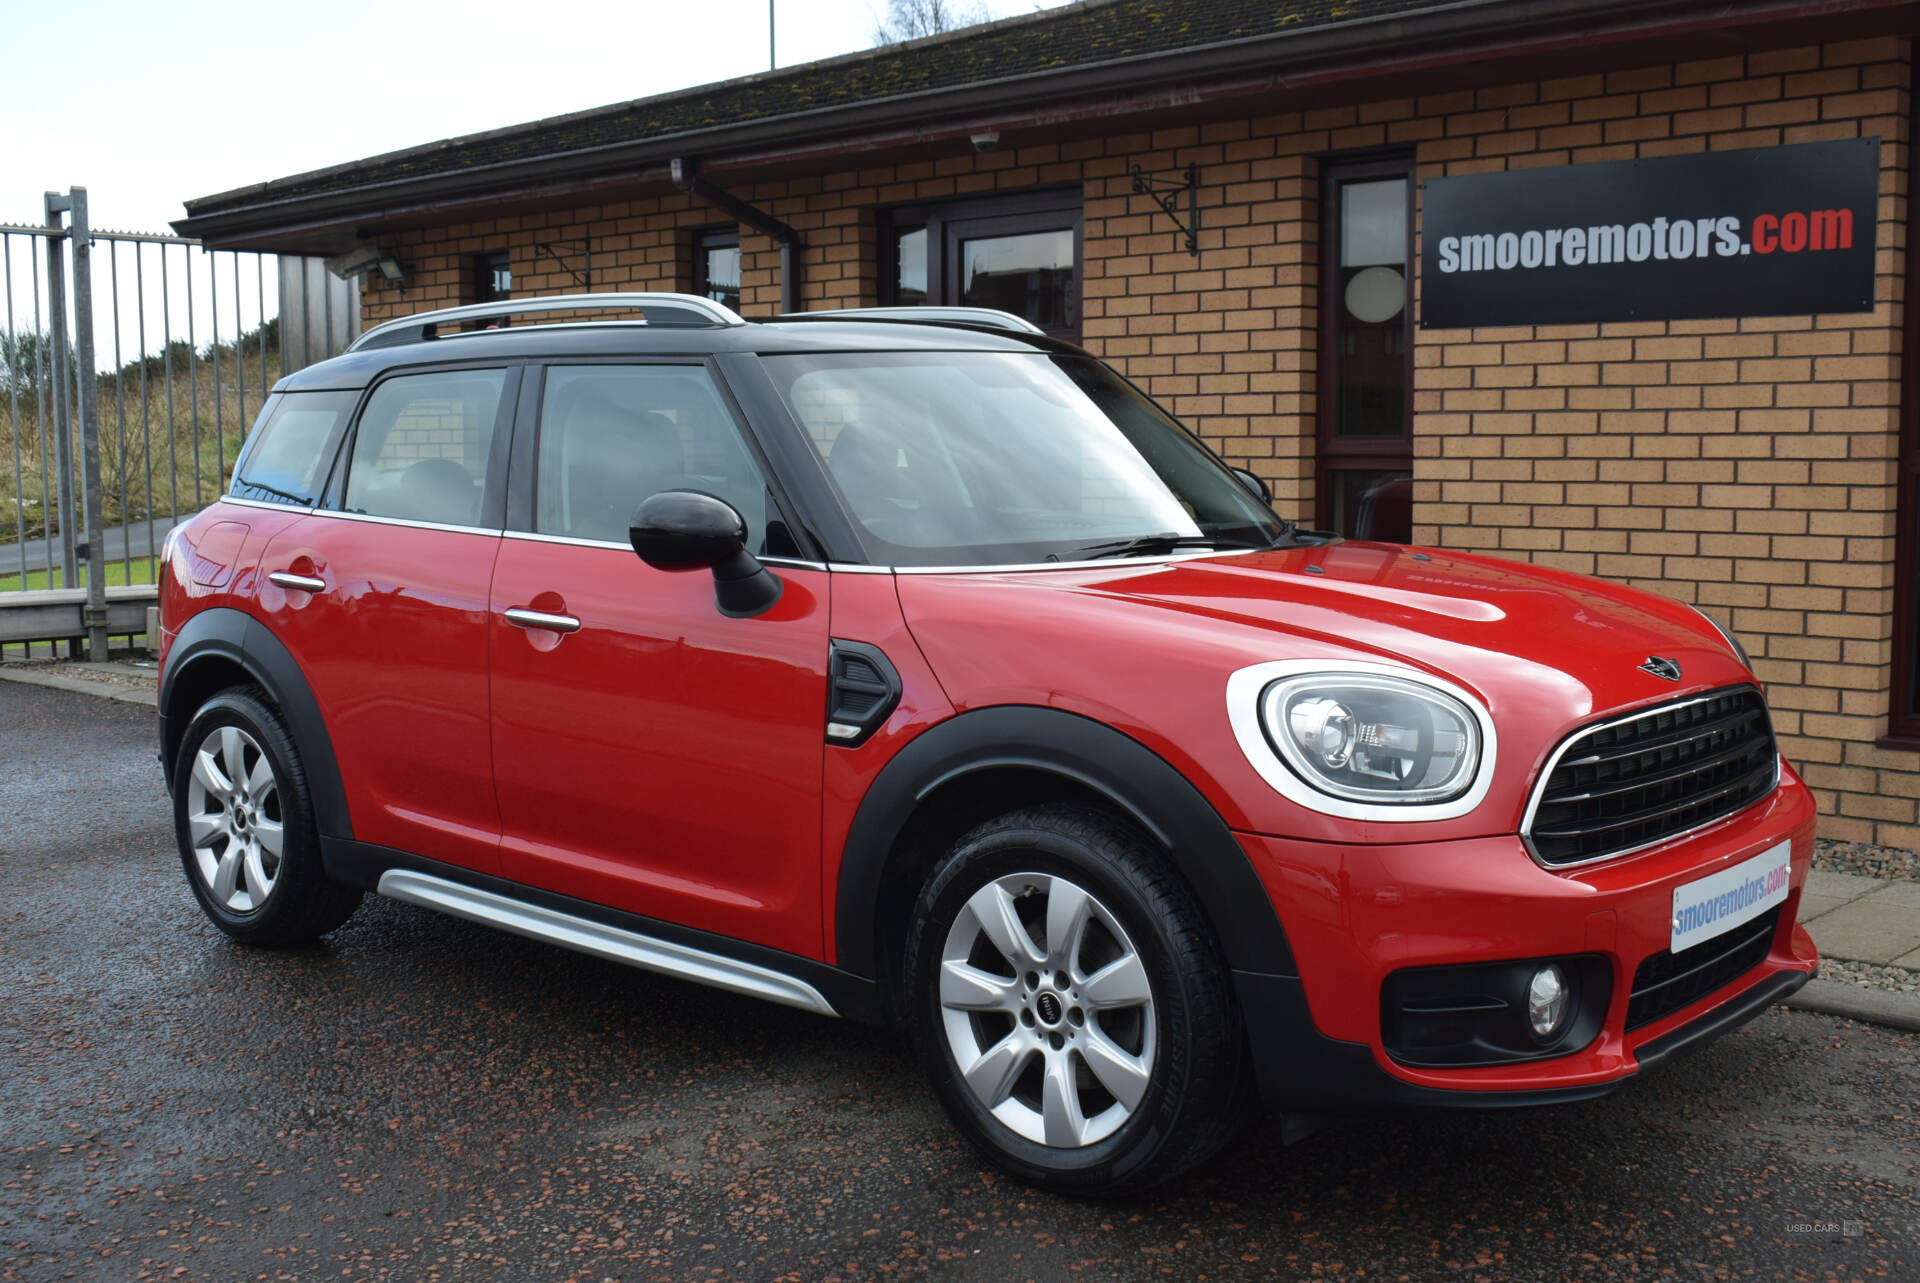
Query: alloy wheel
pixel 234 819
pixel 1047 1010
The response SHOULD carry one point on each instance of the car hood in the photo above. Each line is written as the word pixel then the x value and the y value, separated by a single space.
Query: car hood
pixel 1147 646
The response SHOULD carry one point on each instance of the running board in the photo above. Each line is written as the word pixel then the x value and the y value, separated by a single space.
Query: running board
pixel 600 940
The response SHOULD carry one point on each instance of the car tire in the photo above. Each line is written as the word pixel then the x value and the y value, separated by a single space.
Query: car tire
pixel 238 792
pixel 1097 1066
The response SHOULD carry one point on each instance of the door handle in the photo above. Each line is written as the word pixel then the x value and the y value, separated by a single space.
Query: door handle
pixel 299 583
pixel 540 619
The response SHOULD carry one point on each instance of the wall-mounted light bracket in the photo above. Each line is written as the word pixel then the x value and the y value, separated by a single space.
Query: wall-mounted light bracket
pixel 582 275
pixel 1166 194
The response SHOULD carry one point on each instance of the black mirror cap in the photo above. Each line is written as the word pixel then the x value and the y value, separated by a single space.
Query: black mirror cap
pixel 1255 483
pixel 688 530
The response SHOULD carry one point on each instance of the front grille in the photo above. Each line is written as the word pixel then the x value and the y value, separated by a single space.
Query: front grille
pixel 1669 981
pixel 1638 780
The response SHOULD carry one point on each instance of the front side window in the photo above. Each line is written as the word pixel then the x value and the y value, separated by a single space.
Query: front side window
pixel 287 458
pixel 976 458
pixel 420 452
pixel 612 435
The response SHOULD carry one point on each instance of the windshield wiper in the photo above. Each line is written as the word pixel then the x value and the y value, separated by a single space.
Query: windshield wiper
pixel 1167 541
pixel 275 490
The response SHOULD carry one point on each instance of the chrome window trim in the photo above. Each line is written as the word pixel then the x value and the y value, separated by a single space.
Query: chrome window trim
pixel 338 514
pixel 1246 688
pixel 648 953
pixel 1581 732
pixel 573 541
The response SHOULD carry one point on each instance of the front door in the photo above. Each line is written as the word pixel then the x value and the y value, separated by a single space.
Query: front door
pixel 652 754
pixel 381 596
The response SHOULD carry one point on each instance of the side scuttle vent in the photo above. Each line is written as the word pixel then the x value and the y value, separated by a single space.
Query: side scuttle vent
pixel 862 692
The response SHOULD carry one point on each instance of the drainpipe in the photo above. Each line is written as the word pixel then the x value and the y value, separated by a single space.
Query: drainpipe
pixel 687 180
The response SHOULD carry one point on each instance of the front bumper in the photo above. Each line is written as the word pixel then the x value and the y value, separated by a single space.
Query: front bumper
pixel 1354 914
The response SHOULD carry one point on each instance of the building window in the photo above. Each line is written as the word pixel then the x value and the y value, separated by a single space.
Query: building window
pixel 492 276
pixel 716 265
pixel 1018 254
pixel 1366 350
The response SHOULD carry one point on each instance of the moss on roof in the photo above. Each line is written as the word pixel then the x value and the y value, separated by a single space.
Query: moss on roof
pixel 1080 35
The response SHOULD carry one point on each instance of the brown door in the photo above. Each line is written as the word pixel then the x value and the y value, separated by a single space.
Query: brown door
pixel 1366 350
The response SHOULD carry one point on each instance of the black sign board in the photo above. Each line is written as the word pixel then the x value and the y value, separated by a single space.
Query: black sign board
pixel 1766 231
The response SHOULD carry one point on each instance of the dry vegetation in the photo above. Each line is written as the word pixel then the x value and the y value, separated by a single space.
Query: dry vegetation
pixel 170 428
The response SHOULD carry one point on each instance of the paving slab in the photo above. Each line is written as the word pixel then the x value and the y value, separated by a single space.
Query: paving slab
pixel 1840 886
pixel 1866 931
pixel 1812 906
pixel 1904 894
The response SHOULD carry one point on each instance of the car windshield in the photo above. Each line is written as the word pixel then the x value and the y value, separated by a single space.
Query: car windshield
pixel 999 458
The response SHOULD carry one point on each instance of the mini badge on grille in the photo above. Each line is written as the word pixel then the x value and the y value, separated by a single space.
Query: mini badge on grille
pixel 1662 668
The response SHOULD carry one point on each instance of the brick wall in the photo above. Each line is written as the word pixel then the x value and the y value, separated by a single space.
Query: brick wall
pixel 1746 466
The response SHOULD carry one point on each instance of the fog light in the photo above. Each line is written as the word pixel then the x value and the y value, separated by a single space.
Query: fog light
pixel 1546 1001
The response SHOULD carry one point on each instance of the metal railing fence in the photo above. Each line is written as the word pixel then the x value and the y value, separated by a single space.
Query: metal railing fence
pixel 131 367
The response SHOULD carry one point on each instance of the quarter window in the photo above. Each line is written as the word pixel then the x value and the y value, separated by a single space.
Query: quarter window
pixel 610 436
pixel 287 459
pixel 420 452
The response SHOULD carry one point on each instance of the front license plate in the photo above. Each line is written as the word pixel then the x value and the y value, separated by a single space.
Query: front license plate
pixel 1704 909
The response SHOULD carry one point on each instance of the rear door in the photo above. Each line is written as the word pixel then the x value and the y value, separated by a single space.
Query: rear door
pixel 651 753
pixel 381 595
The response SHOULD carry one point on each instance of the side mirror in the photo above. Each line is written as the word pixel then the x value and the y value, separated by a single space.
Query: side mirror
pixel 687 530
pixel 1257 484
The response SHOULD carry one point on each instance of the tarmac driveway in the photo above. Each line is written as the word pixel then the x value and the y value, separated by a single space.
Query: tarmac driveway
pixel 422 1099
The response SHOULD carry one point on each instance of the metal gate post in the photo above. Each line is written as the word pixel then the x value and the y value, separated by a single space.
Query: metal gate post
pixel 80 237
pixel 56 205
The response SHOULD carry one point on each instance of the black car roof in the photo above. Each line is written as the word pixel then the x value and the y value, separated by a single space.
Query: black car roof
pixel 355 370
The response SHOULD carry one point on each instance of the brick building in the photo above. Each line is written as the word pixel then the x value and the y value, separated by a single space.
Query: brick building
pixel 1760 466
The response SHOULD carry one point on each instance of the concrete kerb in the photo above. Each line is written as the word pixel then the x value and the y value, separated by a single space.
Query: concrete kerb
pixel 1887 1007
pixel 80 686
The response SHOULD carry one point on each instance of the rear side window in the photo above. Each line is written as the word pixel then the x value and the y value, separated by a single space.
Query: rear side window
pixel 421 450
pixel 611 435
pixel 287 458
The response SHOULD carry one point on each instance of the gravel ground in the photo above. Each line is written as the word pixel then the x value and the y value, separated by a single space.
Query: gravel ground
pixel 1872 974
pixel 420 1099
pixel 1866 859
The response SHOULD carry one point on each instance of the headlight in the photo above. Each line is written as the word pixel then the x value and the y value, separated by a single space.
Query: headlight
pixel 1725 635
pixel 1373 738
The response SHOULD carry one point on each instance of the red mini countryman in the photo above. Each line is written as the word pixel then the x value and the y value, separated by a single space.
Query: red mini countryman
pixel 957 687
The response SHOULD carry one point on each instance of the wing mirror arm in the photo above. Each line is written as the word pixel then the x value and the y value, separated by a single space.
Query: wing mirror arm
pixel 1255 483
pixel 682 530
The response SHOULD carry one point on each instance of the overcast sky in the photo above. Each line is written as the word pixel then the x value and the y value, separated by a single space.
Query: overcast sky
pixel 149 104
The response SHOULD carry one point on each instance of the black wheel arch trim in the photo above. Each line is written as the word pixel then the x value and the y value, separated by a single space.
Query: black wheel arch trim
pixel 223 633
pixel 1093 756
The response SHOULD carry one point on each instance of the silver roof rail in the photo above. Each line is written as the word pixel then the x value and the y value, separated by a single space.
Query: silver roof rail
pixel 657 309
pixel 987 316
